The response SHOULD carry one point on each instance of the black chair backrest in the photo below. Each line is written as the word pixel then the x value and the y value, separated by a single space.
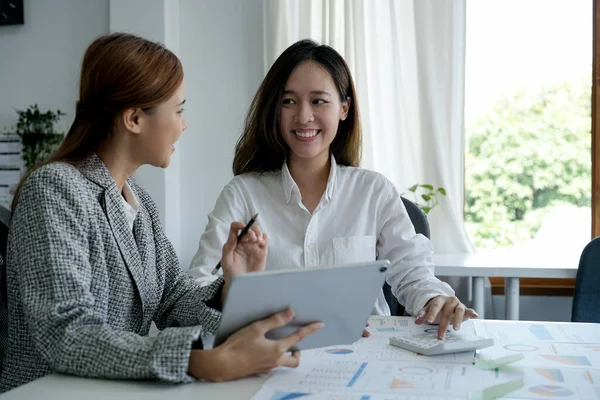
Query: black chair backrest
pixel 419 221
pixel 586 300
pixel 4 225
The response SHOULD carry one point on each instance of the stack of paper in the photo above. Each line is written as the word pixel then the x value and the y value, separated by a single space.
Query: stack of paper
pixel 560 361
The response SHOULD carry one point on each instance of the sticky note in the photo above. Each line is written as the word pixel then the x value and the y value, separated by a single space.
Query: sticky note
pixel 491 363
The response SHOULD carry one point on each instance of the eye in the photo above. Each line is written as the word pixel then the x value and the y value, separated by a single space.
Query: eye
pixel 181 111
pixel 288 101
pixel 319 101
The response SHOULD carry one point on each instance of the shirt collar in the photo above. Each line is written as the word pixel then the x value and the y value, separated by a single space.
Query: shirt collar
pixel 289 186
pixel 130 197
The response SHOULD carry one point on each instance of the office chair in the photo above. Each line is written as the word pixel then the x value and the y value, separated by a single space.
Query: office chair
pixel 4 224
pixel 586 300
pixel 419 221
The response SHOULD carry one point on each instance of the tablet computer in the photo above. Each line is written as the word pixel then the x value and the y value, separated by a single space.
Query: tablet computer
pixel 342 297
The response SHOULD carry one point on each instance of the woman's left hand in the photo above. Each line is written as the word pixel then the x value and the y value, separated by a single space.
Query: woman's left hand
pixel 444 310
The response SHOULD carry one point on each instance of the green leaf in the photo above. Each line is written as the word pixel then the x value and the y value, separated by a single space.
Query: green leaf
pixel 442 191
pixel 413 188
pixel 426 197
pixel 426 209
pixel 428 187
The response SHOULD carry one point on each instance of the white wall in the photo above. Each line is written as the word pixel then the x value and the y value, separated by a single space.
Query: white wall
pixel 220 44
pixel 40 61
pixel 222 54
pixel 160 23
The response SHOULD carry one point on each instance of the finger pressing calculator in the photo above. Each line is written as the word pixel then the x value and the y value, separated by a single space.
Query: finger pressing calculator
pixel 430 345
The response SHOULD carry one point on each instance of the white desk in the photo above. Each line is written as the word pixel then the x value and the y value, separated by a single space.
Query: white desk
pixel 507 264
pixel 72 388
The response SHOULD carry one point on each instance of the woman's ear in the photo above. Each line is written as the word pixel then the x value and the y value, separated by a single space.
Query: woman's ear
pixel 345 108
pixel 131 119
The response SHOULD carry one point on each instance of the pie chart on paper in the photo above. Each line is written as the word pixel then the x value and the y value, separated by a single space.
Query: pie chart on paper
pixel 339 351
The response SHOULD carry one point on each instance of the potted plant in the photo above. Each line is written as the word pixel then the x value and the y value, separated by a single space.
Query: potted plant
pixel 38 134
pixel 428 198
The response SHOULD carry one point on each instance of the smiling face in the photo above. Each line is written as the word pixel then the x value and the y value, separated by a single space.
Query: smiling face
pixel 310 113
pixel 161 128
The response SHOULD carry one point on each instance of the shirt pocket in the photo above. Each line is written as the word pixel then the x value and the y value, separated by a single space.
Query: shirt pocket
pixel 354 249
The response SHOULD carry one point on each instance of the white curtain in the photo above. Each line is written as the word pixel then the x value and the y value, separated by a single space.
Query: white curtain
pixel 408 61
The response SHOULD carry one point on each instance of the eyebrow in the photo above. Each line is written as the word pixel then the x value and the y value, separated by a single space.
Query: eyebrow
pixel 180 104
pixel 318 92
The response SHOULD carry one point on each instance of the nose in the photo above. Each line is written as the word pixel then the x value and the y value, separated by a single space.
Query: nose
pixel 304 114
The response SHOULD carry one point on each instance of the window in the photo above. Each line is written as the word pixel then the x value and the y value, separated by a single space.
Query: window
pixel 529 172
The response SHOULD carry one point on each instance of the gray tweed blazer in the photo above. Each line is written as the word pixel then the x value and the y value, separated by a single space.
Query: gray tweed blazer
pixel 83 288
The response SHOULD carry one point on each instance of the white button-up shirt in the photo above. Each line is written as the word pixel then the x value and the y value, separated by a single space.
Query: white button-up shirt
pixel 360 218
pixel 131 204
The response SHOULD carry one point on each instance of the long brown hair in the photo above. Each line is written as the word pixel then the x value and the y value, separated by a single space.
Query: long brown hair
pixel 261 147
pixel 119 71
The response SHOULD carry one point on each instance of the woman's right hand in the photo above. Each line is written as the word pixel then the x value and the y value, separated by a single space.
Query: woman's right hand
pixel 247 255
pixel 248 352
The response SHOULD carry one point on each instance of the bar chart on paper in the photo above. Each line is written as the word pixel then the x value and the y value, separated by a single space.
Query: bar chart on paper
pixel 334 376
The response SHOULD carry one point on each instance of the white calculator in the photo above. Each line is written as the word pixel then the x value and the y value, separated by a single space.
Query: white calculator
pixel 430 345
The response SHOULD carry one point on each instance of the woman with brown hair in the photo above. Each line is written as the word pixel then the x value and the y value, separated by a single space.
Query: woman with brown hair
pixel 297 164
pixel 89 267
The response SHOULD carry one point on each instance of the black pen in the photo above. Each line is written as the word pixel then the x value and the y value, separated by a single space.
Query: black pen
pixel 240 236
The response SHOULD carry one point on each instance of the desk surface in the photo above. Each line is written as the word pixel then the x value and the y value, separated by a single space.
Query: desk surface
pixel 71 388
pixel 508 264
